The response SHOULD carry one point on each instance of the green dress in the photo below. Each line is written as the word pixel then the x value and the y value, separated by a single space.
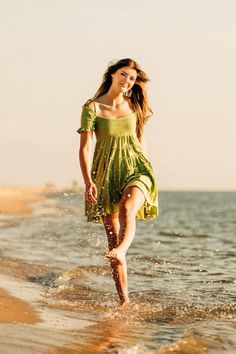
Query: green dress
pixel 118 163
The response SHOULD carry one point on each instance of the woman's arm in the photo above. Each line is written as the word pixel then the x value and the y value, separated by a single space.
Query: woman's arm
pixel 84 155
pixel 84 158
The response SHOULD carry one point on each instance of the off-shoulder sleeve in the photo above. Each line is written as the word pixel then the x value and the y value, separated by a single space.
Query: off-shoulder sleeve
pixel 88 118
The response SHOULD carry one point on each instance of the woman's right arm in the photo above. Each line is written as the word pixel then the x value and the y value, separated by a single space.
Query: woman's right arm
pixel 84 158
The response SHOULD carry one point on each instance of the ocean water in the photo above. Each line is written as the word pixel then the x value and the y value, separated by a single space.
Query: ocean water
pixel 181 272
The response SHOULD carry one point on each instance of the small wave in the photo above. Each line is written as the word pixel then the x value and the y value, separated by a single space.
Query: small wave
pixel 81 271
pixel 178 235
pixel 150 259
pixel 45 280
pixel 199 270
pixel 166 313
pixel 200 235
pixel 172 234
pixel 76 296
pixel 78 290
pixel 221 281
pixel 190 344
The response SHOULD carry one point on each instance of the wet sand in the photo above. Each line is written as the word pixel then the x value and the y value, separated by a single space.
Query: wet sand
pixel 26 325
pixel 16 200
pixel 14 310
pixel 29 327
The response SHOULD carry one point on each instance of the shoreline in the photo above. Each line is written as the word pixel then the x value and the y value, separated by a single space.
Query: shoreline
pixel 19 201
pixel 24 297
pixel 31 327
pixel 14 310
pixel 27 325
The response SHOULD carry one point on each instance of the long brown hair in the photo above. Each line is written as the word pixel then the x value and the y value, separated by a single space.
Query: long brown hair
pixel 137 93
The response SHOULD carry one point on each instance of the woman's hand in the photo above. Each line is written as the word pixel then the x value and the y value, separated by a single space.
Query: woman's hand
pixel 91 193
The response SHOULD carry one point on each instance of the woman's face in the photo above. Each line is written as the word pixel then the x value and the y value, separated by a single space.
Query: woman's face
pixel 124 78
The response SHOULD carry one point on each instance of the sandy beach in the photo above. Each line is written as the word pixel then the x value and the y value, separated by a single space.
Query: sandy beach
pixel 14 310
pixel 22 311
pixel 23 315
pixel 17 200
pixel 51 329
pixel 20 200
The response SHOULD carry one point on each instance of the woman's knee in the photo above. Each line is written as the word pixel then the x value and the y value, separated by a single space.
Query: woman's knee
pixel 127 208
pixel 129 202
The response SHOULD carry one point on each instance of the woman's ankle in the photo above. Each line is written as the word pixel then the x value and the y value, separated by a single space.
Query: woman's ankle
pixel 124 301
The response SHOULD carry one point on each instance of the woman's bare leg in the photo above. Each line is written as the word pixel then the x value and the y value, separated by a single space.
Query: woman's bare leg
pixel 119 271
pixel 131 201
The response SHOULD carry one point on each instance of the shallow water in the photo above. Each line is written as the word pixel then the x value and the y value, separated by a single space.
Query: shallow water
pixel 181 269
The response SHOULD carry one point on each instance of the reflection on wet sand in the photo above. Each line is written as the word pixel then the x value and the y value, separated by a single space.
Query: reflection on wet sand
pixel 108 336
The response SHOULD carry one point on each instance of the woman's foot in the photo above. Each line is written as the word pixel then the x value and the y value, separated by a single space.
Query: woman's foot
pixel 117 254
pixel 125 305
pixel 126 302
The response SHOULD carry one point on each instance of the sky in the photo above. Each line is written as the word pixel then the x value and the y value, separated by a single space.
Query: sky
pixel 54 54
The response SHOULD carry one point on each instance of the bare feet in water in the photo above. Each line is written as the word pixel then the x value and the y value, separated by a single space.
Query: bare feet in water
pixel 116 254
pixel 126 305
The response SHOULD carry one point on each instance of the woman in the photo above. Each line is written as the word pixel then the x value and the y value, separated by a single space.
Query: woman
pixel 121 185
